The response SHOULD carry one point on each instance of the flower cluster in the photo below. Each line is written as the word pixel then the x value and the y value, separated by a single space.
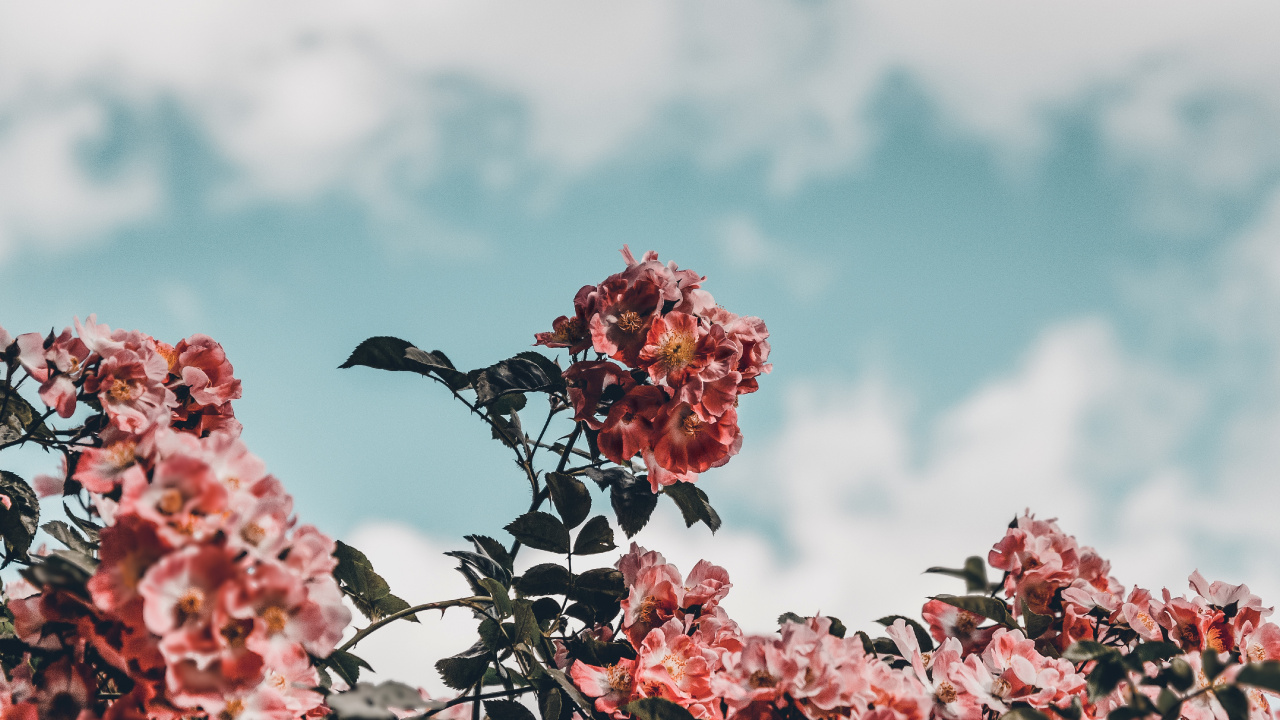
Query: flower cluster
pixel 669 366
pixel 680 646
pixel 205 597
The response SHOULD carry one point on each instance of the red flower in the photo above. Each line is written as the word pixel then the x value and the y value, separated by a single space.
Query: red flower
pixel 572 332
pixel 685 442
pixel 587 382
pixel 621 325
pixel 627 429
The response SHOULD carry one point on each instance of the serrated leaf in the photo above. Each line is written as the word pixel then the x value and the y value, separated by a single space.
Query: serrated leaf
pixel 492 636
pixel 483 564
pixel 464 670
pixel 693 505
pixel 571 498
pixel 987 607
pixel 633 503
pixel 1035 623
pixel 19 417
pixel 545 579
pixel 517 374
pixel 389 605
pixel 69 537
pixel 498 593
pixel 595 537
pixel 654 708
pixel 549 367
pixel 390 353
pixel 541 531
pixel 347 665
pixel 606 581
pixel 18 523
pixel 922 636
pixel 526 623
pixel 507 710
pixel 1265 675
pixel 492 549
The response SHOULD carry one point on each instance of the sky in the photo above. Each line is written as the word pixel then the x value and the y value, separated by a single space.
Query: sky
pixel 1012 255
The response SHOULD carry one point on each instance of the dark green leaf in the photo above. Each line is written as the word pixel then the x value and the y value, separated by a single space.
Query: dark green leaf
pixel 347 665
pixel 1166 701
pixel 493 550
pixel 987 607
pixel 570 496
pixel 492 636
pixel 693 505
pixel 790 617
pixel 507 710
pixel 19 522
pixel 498 592
pixel 517 374
pixel 389 605
pixel 1105 676
pixel 1085 650
pixel 389 353
pixel 837 628
pixel 368 591
pixel 1125 712
pixel 654 708
pixel 1024 713
pixel 545 579
pixel 633 503
pixel 1211 664
pixel 1035 623
pixel 549 367
pixel 483 564
pixel 1181 676
pixel 606 581
pixel 69 536
pixel 1156 650
pixel 465 669
pixel 867 646
pixel 974 574
pixel 552 705
pixel 545 610
pixel 527 630
pixel 366 701
pixel 541 531
pixel 19 417
pixel 922 635
pixel 508 404
pixel 585 705
pixel 1234 701
pixel 595 537
pixel 1073 711
pixel 90 530
pixel 1265 675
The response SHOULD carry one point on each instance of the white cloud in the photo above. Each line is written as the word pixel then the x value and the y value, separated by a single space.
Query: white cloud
pixel 306 98
pixel 745 246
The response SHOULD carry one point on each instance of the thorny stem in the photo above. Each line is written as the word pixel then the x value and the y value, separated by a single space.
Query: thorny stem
pixel 471 602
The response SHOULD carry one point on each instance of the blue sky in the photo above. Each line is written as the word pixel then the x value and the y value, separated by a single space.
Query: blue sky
pixel 1009 257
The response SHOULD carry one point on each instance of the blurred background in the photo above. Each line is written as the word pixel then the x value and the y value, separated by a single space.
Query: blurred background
pixel 1012 255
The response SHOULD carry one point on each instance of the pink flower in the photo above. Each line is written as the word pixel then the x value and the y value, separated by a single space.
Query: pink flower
pixel 629 426
pixel 572 332
pixel 183 499
pixel 101 470
pixel 654 598
pixel 130 386
pixel 621 325
pixel 671 665
pixel 705 587
pixel 205 385
pixel 311 553
pixel 280 608
pixel 55 362
pixel 179 591
pixel 612 686
pixel 672 349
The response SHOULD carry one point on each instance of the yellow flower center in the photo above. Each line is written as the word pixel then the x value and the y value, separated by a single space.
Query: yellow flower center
pixel 690 425
pixel 946 692
pixel 630 321
pixel 276 618
pixel 170 502
pixel 191 603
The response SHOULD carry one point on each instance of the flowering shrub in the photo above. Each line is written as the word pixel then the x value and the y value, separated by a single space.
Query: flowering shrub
pixel 186 588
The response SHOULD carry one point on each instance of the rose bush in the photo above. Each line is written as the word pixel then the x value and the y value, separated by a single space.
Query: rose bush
pixel 186 588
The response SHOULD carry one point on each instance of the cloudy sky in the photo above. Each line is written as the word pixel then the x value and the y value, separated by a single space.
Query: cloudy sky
pixel 1012 255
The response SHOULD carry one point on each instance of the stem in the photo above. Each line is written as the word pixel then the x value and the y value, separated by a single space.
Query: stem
pixel 471 602
pixel 487 696
pixel 542 495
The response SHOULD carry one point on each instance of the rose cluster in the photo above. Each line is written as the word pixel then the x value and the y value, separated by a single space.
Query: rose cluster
pixel 669 366
pixel 680 646
pixel 206 599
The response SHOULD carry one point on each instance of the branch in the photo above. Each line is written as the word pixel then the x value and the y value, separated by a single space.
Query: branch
pixel 471 602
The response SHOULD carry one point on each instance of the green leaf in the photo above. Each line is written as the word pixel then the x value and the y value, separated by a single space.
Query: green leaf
pixel 571 498
pixel 389 605
pixel 1264 675
pixel 693 505
pixel 549 367
pixel 1105 676
pixel 585 705
pixel 1234 701
pixel 492 636
pixel 517 374
pixel 654 708
pixel 595 537
pixel 527 630
pixel 1181 676
pixel 493 550
pixel 987 607
pixel 541 531
pixel 837 628
pixel 790 617
pixel 1166 701
pixel 347 665
pixel 389 353
pixel 633 503
pixel 19 522
pixel 552 705
pixel 1073 711
pixel 69 536
pixel 1126 712
pixel 1086 650
pixel 19 417
pixel 508 404
pixel 1211 665
pixel 1035 623
pixel 1155 650
pixel 922 635
pixel 368 591
pixel 974 574
pixel 464 670
pixel 498 592
pixel 606 581
pixel 1024 713
pixel 507 710
pixel 545 579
